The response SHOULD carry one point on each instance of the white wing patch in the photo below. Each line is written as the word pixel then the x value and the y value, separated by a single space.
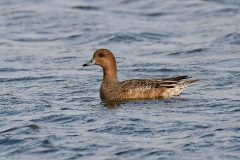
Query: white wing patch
pixel 141 89
pixel 147 87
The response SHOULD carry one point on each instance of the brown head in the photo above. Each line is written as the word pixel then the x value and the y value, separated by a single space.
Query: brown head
pixel 105 59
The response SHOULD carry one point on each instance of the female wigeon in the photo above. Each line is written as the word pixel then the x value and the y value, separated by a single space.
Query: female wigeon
pixel 113 90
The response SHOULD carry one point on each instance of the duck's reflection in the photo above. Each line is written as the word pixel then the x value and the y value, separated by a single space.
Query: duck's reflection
pixel 117 104
pixel 112 105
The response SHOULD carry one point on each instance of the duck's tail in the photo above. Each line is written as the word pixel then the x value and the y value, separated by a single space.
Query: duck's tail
pixel 182 85
pixel 189 82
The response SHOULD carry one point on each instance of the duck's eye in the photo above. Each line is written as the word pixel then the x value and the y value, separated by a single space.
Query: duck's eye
pixel 101 55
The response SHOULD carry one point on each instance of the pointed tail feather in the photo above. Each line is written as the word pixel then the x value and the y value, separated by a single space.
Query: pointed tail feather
pixel 192 81
pixel 182 86
pixel 186 83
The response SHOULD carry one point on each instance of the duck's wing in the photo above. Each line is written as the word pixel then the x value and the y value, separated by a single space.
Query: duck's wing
pixel 144 84
pixel 148 84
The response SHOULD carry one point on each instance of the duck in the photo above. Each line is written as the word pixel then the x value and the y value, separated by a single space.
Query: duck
pixel 113 90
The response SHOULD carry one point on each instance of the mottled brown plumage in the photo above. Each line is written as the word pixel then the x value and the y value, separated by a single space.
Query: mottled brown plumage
pixel 113 90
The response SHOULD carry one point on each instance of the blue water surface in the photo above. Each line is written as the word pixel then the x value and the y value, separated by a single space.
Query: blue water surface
pixel 50 106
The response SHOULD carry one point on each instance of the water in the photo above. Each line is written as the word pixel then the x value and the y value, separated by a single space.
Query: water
pixel 50 106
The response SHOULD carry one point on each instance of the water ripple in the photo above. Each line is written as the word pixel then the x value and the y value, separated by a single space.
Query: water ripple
pixel 87 8
pixel 189 52
pixel 23 129
pixel 13 69
pixel 231 38
pixel 26 79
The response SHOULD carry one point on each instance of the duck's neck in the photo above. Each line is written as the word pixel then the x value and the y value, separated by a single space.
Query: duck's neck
pixel 110 74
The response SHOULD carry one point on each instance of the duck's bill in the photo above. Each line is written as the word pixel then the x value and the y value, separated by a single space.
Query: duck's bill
pixel 90 63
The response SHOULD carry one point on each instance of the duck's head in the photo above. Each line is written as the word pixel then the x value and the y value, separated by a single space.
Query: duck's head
pixel 103 58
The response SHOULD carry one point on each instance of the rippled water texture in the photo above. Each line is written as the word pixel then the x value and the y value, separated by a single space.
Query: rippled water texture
pixel 50 106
